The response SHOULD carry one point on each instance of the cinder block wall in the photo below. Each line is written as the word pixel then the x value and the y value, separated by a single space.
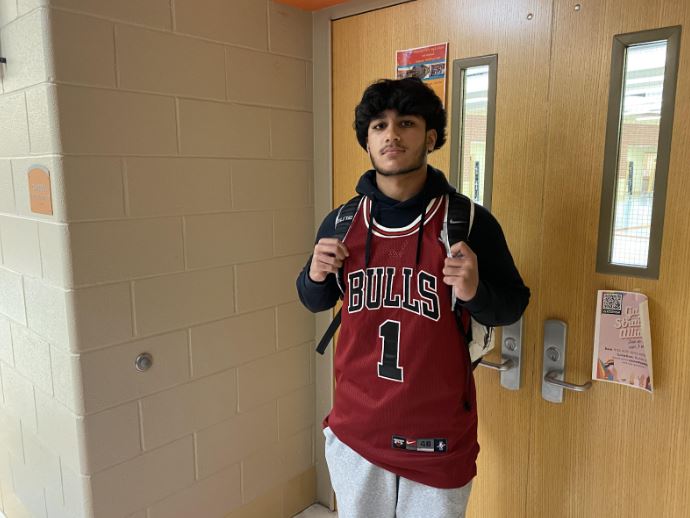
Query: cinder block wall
pixel 178 135
pixel 41 471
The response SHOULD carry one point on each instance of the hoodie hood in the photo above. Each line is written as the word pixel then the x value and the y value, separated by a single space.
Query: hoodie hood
pixel 394 213
pixel 436 185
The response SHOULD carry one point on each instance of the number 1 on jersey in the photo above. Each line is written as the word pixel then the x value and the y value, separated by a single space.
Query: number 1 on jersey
pixel 389 332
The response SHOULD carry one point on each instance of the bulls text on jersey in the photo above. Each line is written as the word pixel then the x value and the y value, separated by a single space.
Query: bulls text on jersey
pixel 373 289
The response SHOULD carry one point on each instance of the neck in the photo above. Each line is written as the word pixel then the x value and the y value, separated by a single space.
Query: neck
pixel 402 187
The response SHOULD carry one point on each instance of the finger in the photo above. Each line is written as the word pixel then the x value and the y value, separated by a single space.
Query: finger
pixel 466 251
pixel 325 267
pixel 454 280
pixel 454 271
pixel 334 243
pixel 330 249
pixel 329 260
pixel 466 263
pixel 454 261
pixel 460 249
pixel 344 248
pixel 455 250
pixel 328 241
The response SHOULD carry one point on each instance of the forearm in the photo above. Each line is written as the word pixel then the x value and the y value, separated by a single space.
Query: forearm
pixel 319 296
pixel 501 296
pixel 498 305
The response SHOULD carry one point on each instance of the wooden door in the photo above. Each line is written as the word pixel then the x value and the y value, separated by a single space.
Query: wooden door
pixel 364 50
pixel 612 451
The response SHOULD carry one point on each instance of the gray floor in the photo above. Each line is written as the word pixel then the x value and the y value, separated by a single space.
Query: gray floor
pixel 317 511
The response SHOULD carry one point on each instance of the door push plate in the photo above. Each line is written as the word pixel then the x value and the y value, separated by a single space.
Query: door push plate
pixel 511 349
pixel 552 382
pixel 511 353
pixel 555 335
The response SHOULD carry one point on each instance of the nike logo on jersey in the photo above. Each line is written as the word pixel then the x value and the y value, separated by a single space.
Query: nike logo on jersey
pixel 422 445
pixel 375 288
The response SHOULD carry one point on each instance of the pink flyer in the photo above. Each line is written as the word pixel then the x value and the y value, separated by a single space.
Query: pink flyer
pixel 622 340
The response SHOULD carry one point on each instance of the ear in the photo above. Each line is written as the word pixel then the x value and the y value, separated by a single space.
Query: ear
pixel 431 137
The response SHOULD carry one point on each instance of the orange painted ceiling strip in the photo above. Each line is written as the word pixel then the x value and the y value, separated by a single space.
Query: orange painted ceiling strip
pixel 310 5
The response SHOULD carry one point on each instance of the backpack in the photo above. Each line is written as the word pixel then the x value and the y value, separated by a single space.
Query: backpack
pixel 457 227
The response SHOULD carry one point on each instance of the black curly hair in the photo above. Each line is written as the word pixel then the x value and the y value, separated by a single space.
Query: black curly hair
pixel 408 96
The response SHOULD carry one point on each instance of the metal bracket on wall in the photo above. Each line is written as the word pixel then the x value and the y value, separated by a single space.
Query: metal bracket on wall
pixel 511 355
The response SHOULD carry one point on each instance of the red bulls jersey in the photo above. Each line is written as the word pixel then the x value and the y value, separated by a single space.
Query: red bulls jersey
pixel 403 378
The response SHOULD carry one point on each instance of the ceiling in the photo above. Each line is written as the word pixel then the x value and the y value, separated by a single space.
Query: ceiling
pixel 310 5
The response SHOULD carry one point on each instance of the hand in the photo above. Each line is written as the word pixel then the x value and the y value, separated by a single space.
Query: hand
pixel 329 254
pixel 461 271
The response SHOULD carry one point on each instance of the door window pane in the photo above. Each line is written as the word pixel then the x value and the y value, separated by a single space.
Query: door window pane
pixel 639 136
pixel 474 121
pixel 642 93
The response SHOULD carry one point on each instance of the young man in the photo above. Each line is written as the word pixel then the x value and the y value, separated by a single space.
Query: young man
pixel 401 439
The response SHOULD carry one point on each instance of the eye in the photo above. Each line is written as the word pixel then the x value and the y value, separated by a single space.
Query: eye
pixel 407 123
pixel 378 125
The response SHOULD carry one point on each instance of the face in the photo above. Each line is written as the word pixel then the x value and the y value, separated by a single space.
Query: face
pixel 398 144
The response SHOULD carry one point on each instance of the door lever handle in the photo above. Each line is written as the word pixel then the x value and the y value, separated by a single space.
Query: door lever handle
pixel 500 367
pixel 552 377
pixel 553 365
pixel 511 356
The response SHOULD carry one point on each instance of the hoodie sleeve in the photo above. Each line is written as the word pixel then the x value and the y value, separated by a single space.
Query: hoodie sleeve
pixel 502 295
pixel 319 296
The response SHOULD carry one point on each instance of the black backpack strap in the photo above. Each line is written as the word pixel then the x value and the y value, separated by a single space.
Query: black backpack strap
pixel 459 224
pixel 328 335
pixel 345 215
pixel 343 220
pixel 460 217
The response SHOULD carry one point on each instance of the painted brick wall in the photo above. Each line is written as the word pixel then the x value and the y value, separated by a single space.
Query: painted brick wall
pixel 178 136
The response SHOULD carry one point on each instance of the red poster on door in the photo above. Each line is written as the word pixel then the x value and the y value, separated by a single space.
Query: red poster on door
pixel 428 63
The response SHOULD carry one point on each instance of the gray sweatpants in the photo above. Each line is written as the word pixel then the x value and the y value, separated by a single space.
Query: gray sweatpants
pixel 364 490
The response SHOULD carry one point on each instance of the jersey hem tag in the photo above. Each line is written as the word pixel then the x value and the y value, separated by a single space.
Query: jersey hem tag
pixel 426 445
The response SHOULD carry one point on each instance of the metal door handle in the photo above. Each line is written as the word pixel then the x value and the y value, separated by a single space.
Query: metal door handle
pixel 553 366
pixel 551 377
pixel 511 355
pixel 500 367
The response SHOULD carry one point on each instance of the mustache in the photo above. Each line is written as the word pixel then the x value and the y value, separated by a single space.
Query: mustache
pixel 393 147
pixel 421 161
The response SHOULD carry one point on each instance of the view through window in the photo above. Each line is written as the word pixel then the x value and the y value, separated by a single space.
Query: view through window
pixel 638 145
pixel 474 130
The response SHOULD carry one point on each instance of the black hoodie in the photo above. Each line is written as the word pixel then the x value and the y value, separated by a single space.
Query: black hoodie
pixel 501 296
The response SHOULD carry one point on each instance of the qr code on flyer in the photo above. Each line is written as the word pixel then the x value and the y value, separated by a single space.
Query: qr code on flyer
pixel 612 303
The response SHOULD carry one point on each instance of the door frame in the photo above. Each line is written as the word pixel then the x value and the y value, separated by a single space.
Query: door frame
pixel 323 201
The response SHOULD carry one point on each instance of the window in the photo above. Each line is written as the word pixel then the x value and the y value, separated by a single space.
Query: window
pixel 638 142
pixel 472 127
